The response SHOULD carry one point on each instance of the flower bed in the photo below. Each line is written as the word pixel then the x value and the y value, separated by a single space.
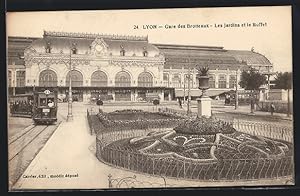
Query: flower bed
pixel 207 154
pixel 137 119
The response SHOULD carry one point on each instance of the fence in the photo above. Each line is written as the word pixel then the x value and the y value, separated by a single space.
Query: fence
pixel 280 107
pixel 225 169
pixel 133 182
pixel 270 130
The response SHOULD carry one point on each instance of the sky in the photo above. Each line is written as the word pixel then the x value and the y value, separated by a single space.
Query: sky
pixel 272 36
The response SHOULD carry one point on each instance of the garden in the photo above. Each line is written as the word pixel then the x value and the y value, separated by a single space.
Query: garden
pixel 190 148
pixel 132 119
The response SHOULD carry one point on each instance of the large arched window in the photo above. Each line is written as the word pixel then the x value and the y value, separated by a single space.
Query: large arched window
pixel 48 78
pixel 9 78
pixel 222 81
pixel 76 78
pixel 145 79
pixel 122 79
pixel 20 77
pixel 212 81
pixel 232 81
pixel 99 78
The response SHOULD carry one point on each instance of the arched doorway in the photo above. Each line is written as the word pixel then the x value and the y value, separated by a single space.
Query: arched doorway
pixel 77 81
pixel 48 78
pixel 145 79
pixel 122 79
pixel 99 78
pixel 76 78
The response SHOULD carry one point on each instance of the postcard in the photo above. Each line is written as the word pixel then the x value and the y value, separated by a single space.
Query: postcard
pixel 147 98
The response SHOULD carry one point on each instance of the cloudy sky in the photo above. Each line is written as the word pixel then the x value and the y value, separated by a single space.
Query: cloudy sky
pixel 271 38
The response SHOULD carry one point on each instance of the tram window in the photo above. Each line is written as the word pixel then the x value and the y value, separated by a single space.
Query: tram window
pixel 50 102
pixel 43 102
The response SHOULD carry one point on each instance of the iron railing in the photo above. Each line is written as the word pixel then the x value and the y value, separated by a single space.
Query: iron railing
pixel 134 182
pixel 265 129
pixel 225 169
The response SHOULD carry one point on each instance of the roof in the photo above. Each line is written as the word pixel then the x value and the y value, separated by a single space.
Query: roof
pixel 250 57
pixel 60 42
pixel 15 48
pixel 212 56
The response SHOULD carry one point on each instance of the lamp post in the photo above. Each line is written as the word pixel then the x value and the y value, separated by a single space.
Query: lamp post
pixel 14 78
pixel 183 89
pixel 236 91
pixel 70 115
pixel 189 92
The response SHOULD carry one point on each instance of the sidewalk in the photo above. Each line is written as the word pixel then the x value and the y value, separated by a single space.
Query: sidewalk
pixel 242 110
pixel 245 110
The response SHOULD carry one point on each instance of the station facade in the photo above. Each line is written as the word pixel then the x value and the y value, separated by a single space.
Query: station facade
pixel 126 68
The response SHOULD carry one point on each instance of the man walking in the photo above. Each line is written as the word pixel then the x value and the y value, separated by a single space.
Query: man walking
pixel 180 103
pixel 272 108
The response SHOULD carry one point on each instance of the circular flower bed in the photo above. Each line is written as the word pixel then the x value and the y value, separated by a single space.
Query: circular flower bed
pixel 203 148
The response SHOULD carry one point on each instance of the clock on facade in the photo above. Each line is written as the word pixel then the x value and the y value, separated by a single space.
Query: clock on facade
pixel 99 48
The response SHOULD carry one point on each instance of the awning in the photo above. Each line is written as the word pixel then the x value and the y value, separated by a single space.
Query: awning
pixel 198 93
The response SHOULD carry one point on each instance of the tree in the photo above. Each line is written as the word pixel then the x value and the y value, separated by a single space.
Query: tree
pixel 252 80
pixel 284 81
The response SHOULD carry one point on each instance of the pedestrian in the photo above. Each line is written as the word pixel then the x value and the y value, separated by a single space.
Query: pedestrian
pixel 180 103
pixel 226 99
pixel 272 108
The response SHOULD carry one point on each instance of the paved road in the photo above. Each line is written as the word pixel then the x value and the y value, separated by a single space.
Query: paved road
pixel 17 124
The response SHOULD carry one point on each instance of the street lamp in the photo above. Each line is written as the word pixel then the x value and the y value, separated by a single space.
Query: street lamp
pixel 70 115
pixel 236 91
pixel 189 91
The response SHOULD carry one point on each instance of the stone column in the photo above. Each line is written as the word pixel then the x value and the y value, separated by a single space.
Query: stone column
pixel 162 95
pixel 204 106
pixel 227 80
pixel 217 80
pixel 86 96
pixel 132 95
pixel 135 95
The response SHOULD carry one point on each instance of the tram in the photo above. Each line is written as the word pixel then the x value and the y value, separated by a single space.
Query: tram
pixel 44 107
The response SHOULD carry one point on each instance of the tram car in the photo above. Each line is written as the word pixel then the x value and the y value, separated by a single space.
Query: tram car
pixel 21 105
pixel 44 107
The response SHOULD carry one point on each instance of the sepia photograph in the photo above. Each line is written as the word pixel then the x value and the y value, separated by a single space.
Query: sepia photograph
pixel 150 98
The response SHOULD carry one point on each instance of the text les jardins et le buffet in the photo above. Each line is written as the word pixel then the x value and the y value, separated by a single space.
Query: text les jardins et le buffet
pixel 202 26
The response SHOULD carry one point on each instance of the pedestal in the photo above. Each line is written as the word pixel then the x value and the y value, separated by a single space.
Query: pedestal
pixel 204 106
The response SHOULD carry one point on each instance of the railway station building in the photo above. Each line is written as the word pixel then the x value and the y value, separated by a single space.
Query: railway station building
pixel 125 68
